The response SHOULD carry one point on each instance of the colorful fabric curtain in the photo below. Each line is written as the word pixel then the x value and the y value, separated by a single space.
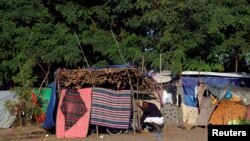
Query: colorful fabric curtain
pixel 111 108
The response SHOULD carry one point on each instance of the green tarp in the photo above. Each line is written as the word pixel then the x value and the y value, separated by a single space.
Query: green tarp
pixel 43 97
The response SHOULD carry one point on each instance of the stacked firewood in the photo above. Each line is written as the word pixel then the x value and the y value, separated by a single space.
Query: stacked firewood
pixel 113 78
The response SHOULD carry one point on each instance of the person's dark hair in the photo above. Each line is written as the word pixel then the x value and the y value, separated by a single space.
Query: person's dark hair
pixel 144 103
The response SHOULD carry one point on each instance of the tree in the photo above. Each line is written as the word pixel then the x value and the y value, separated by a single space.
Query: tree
pixel 33 38
pixel 190 35
pixel 204 35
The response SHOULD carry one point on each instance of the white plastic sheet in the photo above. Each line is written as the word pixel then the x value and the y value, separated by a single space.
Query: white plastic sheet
pixel 6 117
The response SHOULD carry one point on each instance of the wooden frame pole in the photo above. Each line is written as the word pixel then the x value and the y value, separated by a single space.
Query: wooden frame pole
pixel 130 82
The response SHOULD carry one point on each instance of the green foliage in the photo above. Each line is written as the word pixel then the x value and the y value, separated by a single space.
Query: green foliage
pixel 191 35
pixel 38 36
pixel 25 80
pixel 239 122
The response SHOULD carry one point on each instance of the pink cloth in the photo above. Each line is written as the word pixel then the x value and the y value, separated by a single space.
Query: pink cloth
pixel 80 129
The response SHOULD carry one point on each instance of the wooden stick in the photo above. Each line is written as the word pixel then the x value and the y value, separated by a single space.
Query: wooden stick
pixel 142 63
pixel 58 83
pixel 97 130
pixel 134 58
pixel 138 111
pixel 84 57
pixel 45 78
pixel 162 104
pixel 161 81
pixel 130 82
pixel 160 70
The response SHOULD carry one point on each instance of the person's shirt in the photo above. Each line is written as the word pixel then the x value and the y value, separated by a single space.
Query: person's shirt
pixel 152 111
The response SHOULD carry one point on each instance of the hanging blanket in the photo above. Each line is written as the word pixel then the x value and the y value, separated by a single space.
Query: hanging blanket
pixel 73 113
pixel 41 100
pixel 111 108
pixel 43 97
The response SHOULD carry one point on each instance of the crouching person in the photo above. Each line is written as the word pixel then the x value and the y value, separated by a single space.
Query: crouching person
pixel 151 116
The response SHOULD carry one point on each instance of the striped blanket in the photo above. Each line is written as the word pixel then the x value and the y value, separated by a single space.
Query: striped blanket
pixel 111 108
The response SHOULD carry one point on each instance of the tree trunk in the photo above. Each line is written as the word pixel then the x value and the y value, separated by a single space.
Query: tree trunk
pixel 236 64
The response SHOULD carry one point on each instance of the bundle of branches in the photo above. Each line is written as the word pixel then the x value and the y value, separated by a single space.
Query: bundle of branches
pixel 113 78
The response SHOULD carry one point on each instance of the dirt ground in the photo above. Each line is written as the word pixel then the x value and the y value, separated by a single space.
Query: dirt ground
pixel 34 133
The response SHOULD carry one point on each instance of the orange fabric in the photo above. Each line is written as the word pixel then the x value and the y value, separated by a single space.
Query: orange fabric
pixel 226 111
pixel 34 98
pixel 39 118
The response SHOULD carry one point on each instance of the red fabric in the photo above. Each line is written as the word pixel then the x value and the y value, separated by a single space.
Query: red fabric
pixel 39 118
pixel 80 129
pixel 34 99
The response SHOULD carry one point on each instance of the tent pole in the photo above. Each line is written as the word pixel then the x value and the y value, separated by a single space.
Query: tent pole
pixel 161 81
pixel 58 83
pixel 162 104
pixel 142 63
pixel 80 46
pixel 97 130
pixel 96 126
pixel 160 72
pixel 138 112
pixel 129 79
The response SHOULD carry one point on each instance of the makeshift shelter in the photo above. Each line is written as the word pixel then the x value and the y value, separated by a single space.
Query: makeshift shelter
pixel 170 91
pixel 231 104
pixel 113 90
pixel 7 117
pixel 192 99
pixel 114 78
pixel 227 111
pixel 204 91
pixel 192 79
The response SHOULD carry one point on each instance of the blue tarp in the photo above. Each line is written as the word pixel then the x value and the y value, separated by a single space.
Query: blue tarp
pixel 189 84
pixel 49 122
pixel 121 66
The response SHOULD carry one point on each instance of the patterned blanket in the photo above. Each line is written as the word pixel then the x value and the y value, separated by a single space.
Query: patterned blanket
pixel 111 108
pixel 73 108
pixel 73 113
